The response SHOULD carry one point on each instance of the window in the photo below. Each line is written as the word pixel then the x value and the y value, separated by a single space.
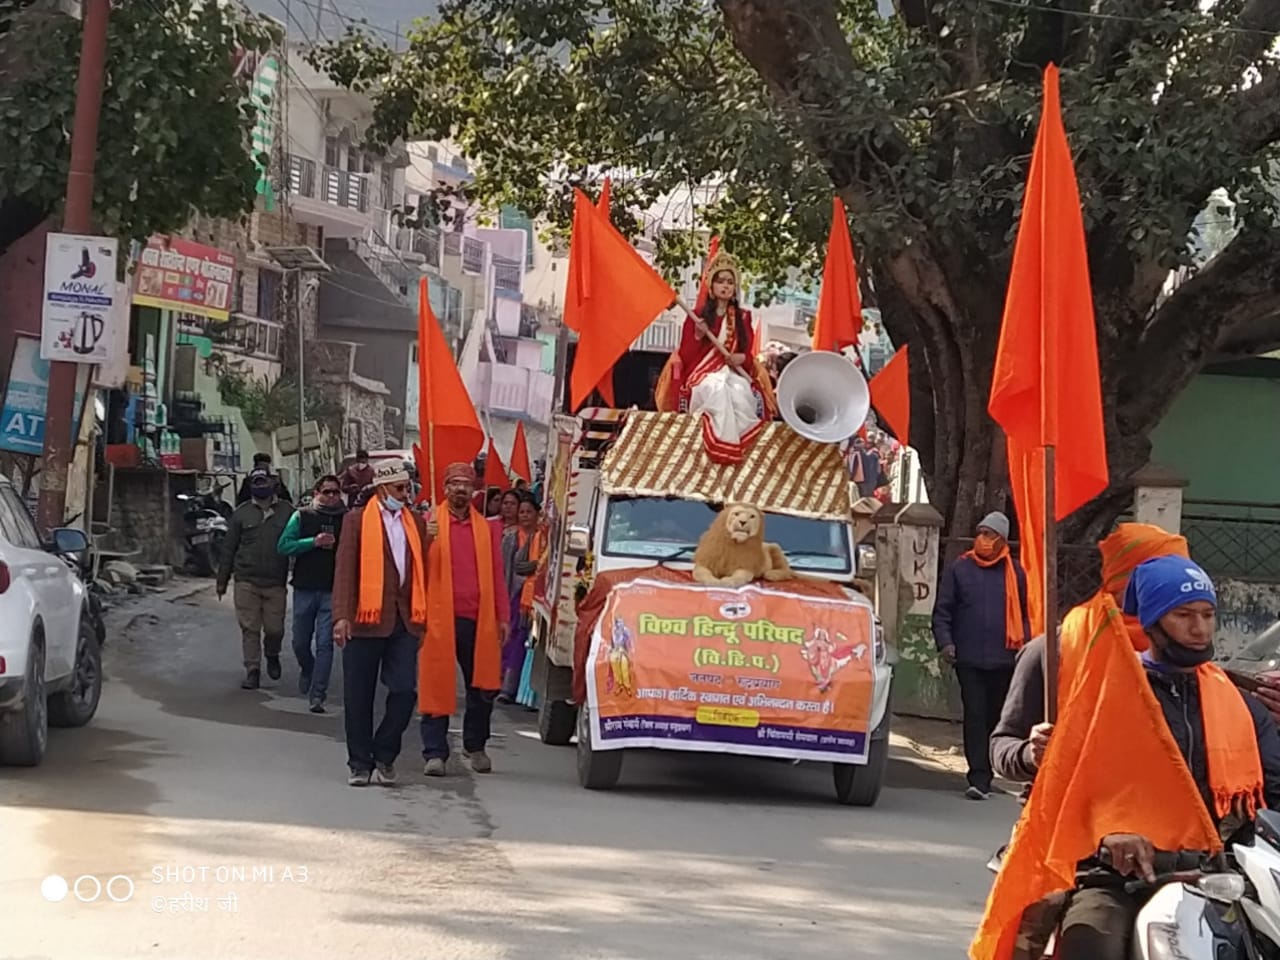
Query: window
pixel 268 294
pixel 657 528
pixel 332 152
pixel 16 522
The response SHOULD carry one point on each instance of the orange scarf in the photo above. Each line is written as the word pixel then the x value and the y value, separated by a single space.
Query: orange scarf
pixel 535 554
pixel 373 565
pixel 1235 767
pixel 437 660
pixel 1014 636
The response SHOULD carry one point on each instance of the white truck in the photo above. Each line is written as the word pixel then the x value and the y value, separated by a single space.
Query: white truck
pixel 633 489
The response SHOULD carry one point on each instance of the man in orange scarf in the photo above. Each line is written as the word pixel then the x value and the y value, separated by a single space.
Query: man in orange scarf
pixel 1019 739
pixel 979 623
pixel 379 611
pixel 1214 750
pixel 470 614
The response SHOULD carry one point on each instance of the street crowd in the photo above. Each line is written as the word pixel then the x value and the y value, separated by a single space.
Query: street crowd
pixel 364 561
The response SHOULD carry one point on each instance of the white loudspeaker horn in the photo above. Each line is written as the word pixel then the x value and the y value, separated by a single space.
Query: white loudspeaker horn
pixel 823 397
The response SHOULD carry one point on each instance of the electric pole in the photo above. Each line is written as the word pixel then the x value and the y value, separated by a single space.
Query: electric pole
pixel 59 444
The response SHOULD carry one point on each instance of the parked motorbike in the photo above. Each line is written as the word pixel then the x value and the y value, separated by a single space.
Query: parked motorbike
pixel 1225 907
pixel 94 608
pixel 204 522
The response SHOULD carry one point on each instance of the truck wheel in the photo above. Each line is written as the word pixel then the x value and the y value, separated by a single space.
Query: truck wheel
pixel 859 785
pixel 556 719
pixel 24 733
pixel 74 707
pixel 597 769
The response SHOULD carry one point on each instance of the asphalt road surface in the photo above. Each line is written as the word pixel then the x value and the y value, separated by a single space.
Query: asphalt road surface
pixel 184 784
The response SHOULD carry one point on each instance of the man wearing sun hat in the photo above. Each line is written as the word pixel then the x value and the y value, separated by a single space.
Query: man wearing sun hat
pixel 379 612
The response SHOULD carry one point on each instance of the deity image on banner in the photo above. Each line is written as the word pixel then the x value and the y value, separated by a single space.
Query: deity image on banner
pixel 733 395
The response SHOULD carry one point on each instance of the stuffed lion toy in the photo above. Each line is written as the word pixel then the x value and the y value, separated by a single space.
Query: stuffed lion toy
pixel 733 551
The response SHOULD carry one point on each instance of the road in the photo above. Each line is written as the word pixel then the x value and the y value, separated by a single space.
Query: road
pixel 185 779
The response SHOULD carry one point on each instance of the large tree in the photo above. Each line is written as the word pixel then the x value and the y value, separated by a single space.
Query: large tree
pixel 922 121
pixel 174 135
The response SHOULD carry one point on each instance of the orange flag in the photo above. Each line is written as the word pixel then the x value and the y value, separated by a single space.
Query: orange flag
pixel 520 465
pixel 1091 783
pixel 617 296
pixel 572 317
pixel 450 430
pixel 839 304
pixel 891 396
pixel 1045 389
pixel 704 290
pixel 495 471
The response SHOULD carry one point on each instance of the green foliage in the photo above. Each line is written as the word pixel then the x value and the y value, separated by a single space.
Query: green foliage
pixel 174 133
pixel 932 127
pixel 268 408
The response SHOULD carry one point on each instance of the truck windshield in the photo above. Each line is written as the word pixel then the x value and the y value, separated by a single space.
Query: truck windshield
pixel 654 528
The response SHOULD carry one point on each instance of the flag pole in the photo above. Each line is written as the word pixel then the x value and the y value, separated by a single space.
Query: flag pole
pixel 1050 587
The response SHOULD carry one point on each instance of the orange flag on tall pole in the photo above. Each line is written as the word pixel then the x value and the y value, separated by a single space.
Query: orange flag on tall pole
pixel 704 289
pixel 617 296
pixel 495 471
pixel 891 396
pixel 520 465
pixel 450 430
pixel 572 316
pixel 1045 391
pixel 839 320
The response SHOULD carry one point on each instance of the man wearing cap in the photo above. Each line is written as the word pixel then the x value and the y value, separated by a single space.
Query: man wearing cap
pixel 1226 738
pixel 979 624
pixel 261 462
pixel 249 553
pixel 379 611
pixel 469 615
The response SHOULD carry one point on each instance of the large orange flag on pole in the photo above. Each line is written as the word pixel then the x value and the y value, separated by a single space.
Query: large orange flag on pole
pixel 704 289
pixel 839 304
pixel 447 421
pixel 617 296
pixel 1045 391
pixel 573 314
pixel 520 464
pixel 891 396
pixel 495 471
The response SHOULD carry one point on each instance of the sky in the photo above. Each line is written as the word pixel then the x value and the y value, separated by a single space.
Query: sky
pixel 385 16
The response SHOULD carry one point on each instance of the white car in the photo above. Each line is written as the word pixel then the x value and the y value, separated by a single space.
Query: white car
pixel 50 658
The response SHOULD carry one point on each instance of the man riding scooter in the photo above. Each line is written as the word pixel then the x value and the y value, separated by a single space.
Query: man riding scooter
pixel 1225 739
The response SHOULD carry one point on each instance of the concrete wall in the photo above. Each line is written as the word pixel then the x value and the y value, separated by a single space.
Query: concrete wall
pixel 1244 611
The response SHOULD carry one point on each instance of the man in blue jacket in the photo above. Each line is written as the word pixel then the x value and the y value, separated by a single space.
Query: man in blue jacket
pixel 979 623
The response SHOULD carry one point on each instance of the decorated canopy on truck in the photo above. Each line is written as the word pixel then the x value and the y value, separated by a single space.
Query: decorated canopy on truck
pixel 662 455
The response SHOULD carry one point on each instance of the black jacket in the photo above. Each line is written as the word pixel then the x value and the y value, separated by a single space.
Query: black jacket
pixel 249 552
pixel 969 613
pixel 1179 697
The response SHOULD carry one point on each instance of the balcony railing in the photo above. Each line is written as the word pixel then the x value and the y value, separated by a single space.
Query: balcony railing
pixel 472 255
pixel 453 243
pixel 251 336
pixel 507 274
pixel 427 243
pixel 319 181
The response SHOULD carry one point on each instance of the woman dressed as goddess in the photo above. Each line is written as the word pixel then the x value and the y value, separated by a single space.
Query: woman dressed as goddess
pixel 733 394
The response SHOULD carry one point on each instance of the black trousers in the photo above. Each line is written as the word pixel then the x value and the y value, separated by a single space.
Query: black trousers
pixel 364 660
pixel 479 710
pixel 1097 925
pixel 982 694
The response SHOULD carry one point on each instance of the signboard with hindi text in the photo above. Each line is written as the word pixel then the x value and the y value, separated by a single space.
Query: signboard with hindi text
pixel 753 670
pixel 176 274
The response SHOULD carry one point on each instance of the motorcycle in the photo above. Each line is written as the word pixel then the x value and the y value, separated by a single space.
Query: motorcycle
pixel 85 567
pixel 204 522
pixel 1225 907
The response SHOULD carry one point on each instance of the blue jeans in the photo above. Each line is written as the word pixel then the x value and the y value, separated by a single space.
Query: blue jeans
pixel 365 661
pixel 313 616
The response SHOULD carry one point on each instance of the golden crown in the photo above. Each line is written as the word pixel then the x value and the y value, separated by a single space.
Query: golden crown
pixel 723 260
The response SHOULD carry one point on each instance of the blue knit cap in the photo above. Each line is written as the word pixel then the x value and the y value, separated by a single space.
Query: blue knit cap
pixel 1163 584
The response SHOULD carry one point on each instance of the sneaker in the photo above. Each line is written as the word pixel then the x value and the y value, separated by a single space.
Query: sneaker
pixel 252 680
pixel 317 705
pixel 359 778
pixel 273 667
pixel 304 683
pixel 976 793
pixel 384 774
pixel 434 768
pixel 480 762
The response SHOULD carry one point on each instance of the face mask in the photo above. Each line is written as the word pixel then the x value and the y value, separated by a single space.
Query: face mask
pixel 986 545
pixel 1175 654
pixel 261 493
pixel 391 503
